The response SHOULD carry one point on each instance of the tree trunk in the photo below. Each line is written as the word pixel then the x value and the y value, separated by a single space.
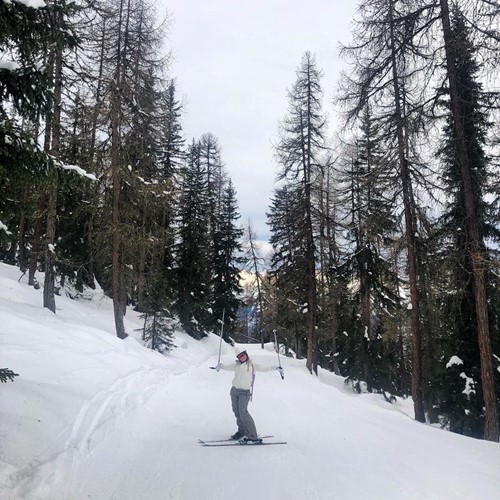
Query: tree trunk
pixel 312 361
pixel 23 260
pixel 49 300
pixel 37 239
pixel 476 247
pixel 54 139
pixel 332 261
pixel 312 354
pixel 410 239
pixel 116 278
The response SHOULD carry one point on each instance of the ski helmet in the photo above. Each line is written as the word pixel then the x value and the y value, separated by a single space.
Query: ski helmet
pixel 240 352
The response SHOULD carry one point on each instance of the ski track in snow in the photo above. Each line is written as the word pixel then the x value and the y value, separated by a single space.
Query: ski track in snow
pixel 96 416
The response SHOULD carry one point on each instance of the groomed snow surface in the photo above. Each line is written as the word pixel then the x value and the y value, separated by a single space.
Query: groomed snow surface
pixel 94 417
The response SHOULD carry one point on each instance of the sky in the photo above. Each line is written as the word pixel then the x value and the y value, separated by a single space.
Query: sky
pixel 234 61
pixel 93 416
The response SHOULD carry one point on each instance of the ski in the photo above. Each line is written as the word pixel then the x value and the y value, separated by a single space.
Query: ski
pixel 229 440
pixel 243 444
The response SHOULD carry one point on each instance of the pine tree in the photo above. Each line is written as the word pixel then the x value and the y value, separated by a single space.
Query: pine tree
pixel 168 177
pixel 27 35
pixel 373 223
pixel 193 300
pixel 77 202
pixel 172 141
pixel 462 396
pixel 6 375
pixel 159 324
pixel 286 303
pixel 228 261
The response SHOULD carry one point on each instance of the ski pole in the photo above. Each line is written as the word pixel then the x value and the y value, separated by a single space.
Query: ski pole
pixel 221 332
pixel 278 351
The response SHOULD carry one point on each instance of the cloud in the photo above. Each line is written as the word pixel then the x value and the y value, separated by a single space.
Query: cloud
pixel 234 61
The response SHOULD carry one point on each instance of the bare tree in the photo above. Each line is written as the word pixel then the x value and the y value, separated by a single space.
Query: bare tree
pixel 384 45
pixel 299 154
pixel 254 260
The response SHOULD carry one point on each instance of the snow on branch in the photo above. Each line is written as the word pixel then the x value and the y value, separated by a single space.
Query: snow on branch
pixel 454 360
pixel 34 4
pixel 79 171
pixel 469 385
pixel 3 227
pixel 9 65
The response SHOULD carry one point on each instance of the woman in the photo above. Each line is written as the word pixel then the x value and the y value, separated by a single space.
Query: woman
pixel 241 394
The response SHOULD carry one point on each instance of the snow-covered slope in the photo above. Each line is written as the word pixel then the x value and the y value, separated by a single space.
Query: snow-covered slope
pixel 94 417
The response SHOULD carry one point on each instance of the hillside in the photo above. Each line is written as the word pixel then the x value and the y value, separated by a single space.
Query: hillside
pixel 94 417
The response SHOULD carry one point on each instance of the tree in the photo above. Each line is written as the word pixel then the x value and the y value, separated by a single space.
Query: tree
pixel 253 260
pixel 27 92
pixel 471 285
pixel 131 72
pixel 332 293
pixel 193 262
pixel 159 324
pixel 52 145
pixel 388 37
pixel 228 261
pixel 172 141
pixel 298 152
pixel 371 230
pixel 286 301
pixel 6 374
pixel 208 244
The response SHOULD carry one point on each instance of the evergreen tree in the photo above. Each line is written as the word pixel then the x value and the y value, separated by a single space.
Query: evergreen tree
pixel 159 324
pixel 372 224
pixel 208 246
pixel 287 303
pixel 172 141
pixel 461 398
pixel 228 261
pixel 210 158
pixel 171 156
pixel 6 375
pixel 193 262
pixel 77 202
pixel 27 35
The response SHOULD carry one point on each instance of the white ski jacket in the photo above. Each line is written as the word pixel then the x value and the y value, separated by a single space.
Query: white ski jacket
pixel 244 372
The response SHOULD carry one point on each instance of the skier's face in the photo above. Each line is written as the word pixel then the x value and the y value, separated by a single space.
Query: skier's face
pixel 242 357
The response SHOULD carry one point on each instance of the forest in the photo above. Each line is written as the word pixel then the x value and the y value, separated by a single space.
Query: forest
pixel 385 262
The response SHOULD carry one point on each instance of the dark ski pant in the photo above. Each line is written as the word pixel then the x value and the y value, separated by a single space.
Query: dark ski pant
pixel 239 400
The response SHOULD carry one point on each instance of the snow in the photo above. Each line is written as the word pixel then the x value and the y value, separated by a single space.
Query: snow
pixel 454 360
pixel 469 385
pixel 3 227
pixel 92 416
pixel 80 171
pixel 9 65
pixel 35 4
